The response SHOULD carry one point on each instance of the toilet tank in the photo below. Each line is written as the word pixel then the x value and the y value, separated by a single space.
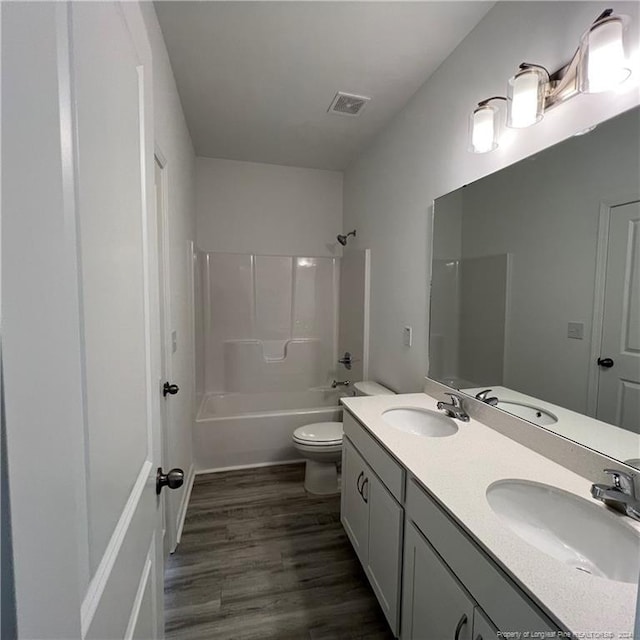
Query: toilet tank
pixel 370 388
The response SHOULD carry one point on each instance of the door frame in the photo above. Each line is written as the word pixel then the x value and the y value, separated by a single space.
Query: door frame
pixel 164 311
pixel 599 293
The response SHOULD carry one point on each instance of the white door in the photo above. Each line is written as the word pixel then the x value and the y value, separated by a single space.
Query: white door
pixel 353 325
pixel 619 360
pixel 82 363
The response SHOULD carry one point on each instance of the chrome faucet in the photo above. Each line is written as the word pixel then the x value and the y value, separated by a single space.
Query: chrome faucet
pixel 621 495
pixel 454 408
pixel 484 397
pixel 340 383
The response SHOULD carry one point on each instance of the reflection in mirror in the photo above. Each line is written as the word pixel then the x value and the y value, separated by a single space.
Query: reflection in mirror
pixel 535 291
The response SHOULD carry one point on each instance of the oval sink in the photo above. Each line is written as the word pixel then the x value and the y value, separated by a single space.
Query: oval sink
pixel 420 422
pixel 538 416
pixel 574 531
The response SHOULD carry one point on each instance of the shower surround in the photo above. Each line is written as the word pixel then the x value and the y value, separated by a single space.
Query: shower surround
pixel 266 346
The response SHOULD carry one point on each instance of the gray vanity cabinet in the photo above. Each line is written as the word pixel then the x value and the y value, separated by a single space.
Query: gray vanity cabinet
pixel 435 574
pixel 373 520
pixel 434 603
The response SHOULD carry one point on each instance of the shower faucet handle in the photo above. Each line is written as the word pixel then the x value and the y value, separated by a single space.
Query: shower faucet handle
pixel 346 360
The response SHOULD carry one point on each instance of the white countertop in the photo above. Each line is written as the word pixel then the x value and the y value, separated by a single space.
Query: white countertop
pixel 458 469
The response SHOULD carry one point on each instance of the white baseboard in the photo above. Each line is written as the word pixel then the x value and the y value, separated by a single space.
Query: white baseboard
pixel 249 466
pixel 183 506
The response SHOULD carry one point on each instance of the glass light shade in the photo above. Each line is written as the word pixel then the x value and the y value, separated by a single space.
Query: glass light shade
pixel 525 97
pixel 603 64
pixel 483 129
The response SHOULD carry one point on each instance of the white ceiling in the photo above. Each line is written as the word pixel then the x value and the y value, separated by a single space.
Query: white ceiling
pixel 256 78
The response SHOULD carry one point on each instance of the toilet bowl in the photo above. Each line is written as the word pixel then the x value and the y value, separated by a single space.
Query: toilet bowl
pixel 321 444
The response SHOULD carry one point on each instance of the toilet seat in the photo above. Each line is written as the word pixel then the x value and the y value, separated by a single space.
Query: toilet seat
pixel 319 434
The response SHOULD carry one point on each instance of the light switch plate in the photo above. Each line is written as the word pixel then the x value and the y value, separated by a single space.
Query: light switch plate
pixel 575 330
pixel 407 336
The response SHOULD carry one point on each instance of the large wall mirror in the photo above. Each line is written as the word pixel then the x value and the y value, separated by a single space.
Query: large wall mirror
pixel 535 291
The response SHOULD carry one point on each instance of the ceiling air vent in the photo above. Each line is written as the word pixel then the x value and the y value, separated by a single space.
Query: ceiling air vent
pixel 348 104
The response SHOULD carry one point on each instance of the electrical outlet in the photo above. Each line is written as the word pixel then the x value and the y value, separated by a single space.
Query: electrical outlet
pixel 575 330
pixel 407 336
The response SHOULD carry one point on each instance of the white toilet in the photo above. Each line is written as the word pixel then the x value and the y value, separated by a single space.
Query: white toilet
pixel 321 444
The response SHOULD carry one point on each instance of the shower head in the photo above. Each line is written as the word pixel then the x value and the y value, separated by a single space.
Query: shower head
pixel 343 239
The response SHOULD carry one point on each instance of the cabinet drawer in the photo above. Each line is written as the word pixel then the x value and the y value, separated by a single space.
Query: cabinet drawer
pixel 383 464
pixel 500 598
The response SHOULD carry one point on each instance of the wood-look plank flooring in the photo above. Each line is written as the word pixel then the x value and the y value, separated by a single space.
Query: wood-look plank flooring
pixel 260 559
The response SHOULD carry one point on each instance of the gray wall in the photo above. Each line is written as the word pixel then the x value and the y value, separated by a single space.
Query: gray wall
pixel 252 207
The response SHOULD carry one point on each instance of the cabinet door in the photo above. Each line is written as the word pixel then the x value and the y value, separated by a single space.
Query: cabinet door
pixel 385 547
pixel 435 606
pixel 354 510
pixel 483 628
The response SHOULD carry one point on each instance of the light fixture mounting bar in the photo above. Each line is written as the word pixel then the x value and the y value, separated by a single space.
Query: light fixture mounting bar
pixel 563 83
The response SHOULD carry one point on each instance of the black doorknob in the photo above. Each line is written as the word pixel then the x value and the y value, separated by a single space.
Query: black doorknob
pixel 171 389
pixel 173 479
pixel 607 363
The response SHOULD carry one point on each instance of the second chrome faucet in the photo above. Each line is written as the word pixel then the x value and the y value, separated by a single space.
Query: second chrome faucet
pixel 454 408
pixel 620 495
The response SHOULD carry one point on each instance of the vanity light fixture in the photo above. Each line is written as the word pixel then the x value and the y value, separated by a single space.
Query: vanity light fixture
pixel 526 93
pixel 483 126
pixel 598 65
pixel 602 62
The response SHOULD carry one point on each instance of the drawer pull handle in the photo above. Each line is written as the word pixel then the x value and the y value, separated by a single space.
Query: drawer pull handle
pixel 358 482
pixel 365 484
pixel 461 624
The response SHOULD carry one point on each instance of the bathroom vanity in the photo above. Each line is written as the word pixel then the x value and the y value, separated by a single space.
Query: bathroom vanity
pixel 436 515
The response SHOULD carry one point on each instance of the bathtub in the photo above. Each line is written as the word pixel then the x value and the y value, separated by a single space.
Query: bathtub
pixel 251 429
